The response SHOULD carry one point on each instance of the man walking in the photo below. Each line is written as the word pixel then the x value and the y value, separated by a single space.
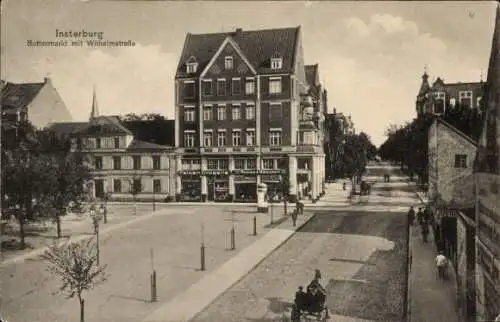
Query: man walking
pixel 441 263
pixel 420 216
pixel 294 217
pixel 411 215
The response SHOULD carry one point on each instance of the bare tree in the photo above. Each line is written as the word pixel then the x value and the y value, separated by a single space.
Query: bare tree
pixel 76 265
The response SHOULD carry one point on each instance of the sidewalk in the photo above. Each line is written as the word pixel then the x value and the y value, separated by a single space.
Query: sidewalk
pixel 196 298
pixel 430 298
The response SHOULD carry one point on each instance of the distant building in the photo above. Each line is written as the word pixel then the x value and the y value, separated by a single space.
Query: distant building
pixel 487 177
pixel 247 114
pixel 434 99
pixel 39 103
pixel 118 159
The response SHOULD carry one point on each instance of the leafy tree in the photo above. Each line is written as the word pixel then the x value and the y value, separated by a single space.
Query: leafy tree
pixel 64 174
pixel 353 157
pixel 76 265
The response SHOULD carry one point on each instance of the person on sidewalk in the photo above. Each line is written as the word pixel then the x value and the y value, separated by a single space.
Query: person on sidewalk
pixel 427 215
pixel 420 216
pixel 411 215
pixel 294 217
pixel 441 263
pixel 425 232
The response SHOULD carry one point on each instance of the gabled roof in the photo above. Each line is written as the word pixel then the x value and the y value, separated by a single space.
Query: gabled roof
pixel 137 145
pixel 101 125
pixel 258 46
pixel 68 128
pixel 19 95
pixel 457 131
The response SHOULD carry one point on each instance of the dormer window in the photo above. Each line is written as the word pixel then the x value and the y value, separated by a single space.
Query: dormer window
pixel 228 62
pixel 191 68
pixel 276 63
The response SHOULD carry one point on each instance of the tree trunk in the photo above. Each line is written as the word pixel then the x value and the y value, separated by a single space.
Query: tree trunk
pixel 20 218
pixel 82 308
pixel 353 190
pixel 58 224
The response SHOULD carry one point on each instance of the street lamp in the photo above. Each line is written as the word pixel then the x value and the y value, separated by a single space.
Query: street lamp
pixel 96 218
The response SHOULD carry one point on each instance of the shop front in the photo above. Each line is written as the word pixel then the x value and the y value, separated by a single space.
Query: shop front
pixel 218 185
pixel 274 182
pixel 245 185
pixel 190 186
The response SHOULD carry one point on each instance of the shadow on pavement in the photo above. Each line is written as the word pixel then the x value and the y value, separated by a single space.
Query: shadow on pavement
pixel 129 298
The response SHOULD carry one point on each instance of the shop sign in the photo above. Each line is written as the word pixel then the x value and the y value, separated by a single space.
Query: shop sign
pixel 190 172
pixel 245 172
pixel 215 173
pixel 271 178
pixel 271 171
pixel 242 178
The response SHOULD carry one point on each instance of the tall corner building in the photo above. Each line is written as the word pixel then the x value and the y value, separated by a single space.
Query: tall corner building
pixel 248 111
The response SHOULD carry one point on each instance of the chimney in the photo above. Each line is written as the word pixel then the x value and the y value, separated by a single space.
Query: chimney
pixel 46 80
pixel 238 31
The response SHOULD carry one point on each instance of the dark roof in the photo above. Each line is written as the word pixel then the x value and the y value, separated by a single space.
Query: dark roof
pixel 258 46
pixel 106 125
pixel 161 132
pixel 19 95
pixel 311 74
pixel 68 127
pixel 137 145
pixel 457 131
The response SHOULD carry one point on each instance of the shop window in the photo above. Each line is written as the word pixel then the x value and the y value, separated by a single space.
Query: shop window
pixel 239 164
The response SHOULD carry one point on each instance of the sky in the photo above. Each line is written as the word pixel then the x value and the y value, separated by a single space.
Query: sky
pixel 371 55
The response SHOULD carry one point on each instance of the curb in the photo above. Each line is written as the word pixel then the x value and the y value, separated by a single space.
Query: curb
pixel 255 265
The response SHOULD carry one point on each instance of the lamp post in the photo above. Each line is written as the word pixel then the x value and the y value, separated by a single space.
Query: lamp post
pixel 233 241
pixel 96 218
pixel 202 248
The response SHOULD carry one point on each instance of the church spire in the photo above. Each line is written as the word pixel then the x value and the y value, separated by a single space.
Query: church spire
pixel 95 108
pixel 424 87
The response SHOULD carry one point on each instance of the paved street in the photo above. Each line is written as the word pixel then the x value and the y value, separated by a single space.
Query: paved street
pixel 362 255
pixel 29 293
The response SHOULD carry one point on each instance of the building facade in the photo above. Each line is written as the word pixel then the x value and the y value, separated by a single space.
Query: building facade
pixel 433 99
pixel 245 114
pixel 123 168
pixel 487 179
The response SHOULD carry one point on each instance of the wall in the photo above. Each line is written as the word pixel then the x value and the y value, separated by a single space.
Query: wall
pixel 48 107
pixel 432 155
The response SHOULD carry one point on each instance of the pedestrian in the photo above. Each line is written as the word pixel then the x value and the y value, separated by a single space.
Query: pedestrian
pixel 420 216
pixel 294 217
pixel 426 215
pixel 411 215
pixel 425 232
pixel 441 263
pixel 343 186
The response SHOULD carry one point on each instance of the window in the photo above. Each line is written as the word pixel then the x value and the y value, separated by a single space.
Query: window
pixel 236 137
pixel 191 68
pixel 137 162
pixel 117 185
pixel 251 164
pixel 191 164
pixel 221 138
pixel 117 163
pixel 453 102
pixel 189 89
pixel 223 164
pixel 207 113
pixel 268 163
pixel 460 161
pixel 308 138
pixel 221 113
pixel 156 162
pixel 250 137
pixel 211 164
pixel 207 138
pixel 236 112
pixel 465 98
pixel 117 143
pixel 275 112
pixel 239 164
pixel 98 143
pixel 221 87
pixel 236 86
pixel 207 87
pixel 439 102
pixel 188 139
pixel 136 185
pixel 249 86
pixel 250 112
pixel 478 102
pixel 188 114
pixel 275 85
pixel 156 185
pixel 228 62
pixel 98 163
pixel 276 63
pixel 275 137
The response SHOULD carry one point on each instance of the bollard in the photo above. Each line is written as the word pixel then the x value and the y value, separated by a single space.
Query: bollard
pixel 233 242
pixel 255 225
pixel 202 255
pixel 153 287
pixel 105 215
